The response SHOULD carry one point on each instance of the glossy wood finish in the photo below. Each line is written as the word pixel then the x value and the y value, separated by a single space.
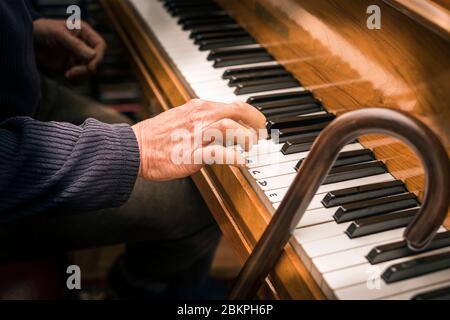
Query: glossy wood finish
pixel 326 44
pixel 433 14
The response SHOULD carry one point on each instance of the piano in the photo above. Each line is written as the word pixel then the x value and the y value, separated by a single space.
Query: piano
pixel 304 63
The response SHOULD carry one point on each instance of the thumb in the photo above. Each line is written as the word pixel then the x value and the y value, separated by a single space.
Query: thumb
pixel 78 47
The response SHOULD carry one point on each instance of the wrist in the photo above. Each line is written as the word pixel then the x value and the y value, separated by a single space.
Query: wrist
pixel 137 134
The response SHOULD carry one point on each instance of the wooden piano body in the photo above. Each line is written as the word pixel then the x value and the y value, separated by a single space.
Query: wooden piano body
pixel 326 44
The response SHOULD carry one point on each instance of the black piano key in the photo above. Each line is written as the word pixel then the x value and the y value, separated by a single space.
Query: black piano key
pixel 294 110
pixel 171 4
pixel 306 100
pixel 199 14
pixel 399 249
pixel 243 59
pixel 199 17
pixel 225 53
pixel 417 267
pixel 253 71
pixel 212 34
pixel 355 171
pixel 353 157
pixel 384 222
pixel 207 29
pixel 297 145
pixel 220 35
pixel 362 209
pixel 437 294
pixel 196 8
pixel 266 85
pixel 298 132
pixel 224 43
pixel 186 2
pixel 360 193
pixel 257 100
pixel 348 157
pixel 189 11
pixel 294 121
pixel 218 24
pixel 258 75
pixel 207 22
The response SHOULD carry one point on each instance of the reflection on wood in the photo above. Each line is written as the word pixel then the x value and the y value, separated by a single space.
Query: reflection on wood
pixel 404 65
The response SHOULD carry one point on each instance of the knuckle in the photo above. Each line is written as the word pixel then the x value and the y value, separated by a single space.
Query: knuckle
pixel 226 124
pixel 193 115
pixel 240 105
pixel 196 103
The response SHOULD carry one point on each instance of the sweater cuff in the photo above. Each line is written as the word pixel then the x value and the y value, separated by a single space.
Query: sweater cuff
pixel 129 148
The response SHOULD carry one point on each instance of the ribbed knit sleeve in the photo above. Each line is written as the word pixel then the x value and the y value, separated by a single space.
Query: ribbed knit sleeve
pixel 52 165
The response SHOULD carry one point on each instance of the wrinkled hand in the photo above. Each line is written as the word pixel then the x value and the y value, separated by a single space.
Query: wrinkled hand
pixel 179 142
pixel 76 53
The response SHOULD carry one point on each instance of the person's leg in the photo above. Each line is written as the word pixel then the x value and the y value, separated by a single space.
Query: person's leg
pixel 59 103
pixel 170 235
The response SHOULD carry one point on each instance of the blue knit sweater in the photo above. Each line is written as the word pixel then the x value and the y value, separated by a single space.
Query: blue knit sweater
pixel 47 165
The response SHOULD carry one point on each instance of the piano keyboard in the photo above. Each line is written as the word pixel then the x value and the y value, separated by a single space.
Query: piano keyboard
pixel 350 238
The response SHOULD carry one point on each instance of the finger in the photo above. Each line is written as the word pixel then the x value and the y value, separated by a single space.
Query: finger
pixel 229 132
pixel 100 54
pixel 215 154
pixel 262 134
pixel 77 47
pixel 77 71
pixel 96 41
pixel 241 112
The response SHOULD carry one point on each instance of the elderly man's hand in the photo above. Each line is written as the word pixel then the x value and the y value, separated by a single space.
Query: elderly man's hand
pixel 76 53
pixel 179 142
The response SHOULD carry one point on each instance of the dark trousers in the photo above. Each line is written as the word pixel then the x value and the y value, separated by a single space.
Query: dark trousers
pixel 169 233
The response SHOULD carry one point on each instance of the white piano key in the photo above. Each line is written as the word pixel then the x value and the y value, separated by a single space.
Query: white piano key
pixel 273 170
pixel 245 97
pixel 201 74
pixel 321 231
pixel 216 88
pixel 408 295
pixel 263 147
pixel 342 259
pixel 358 274
pixel 361 291
pixel 317 216
pixel 277 158
pixel 286 181
pixel 343 242
pixel 278 194
pixel 274 158
pixel 345 259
